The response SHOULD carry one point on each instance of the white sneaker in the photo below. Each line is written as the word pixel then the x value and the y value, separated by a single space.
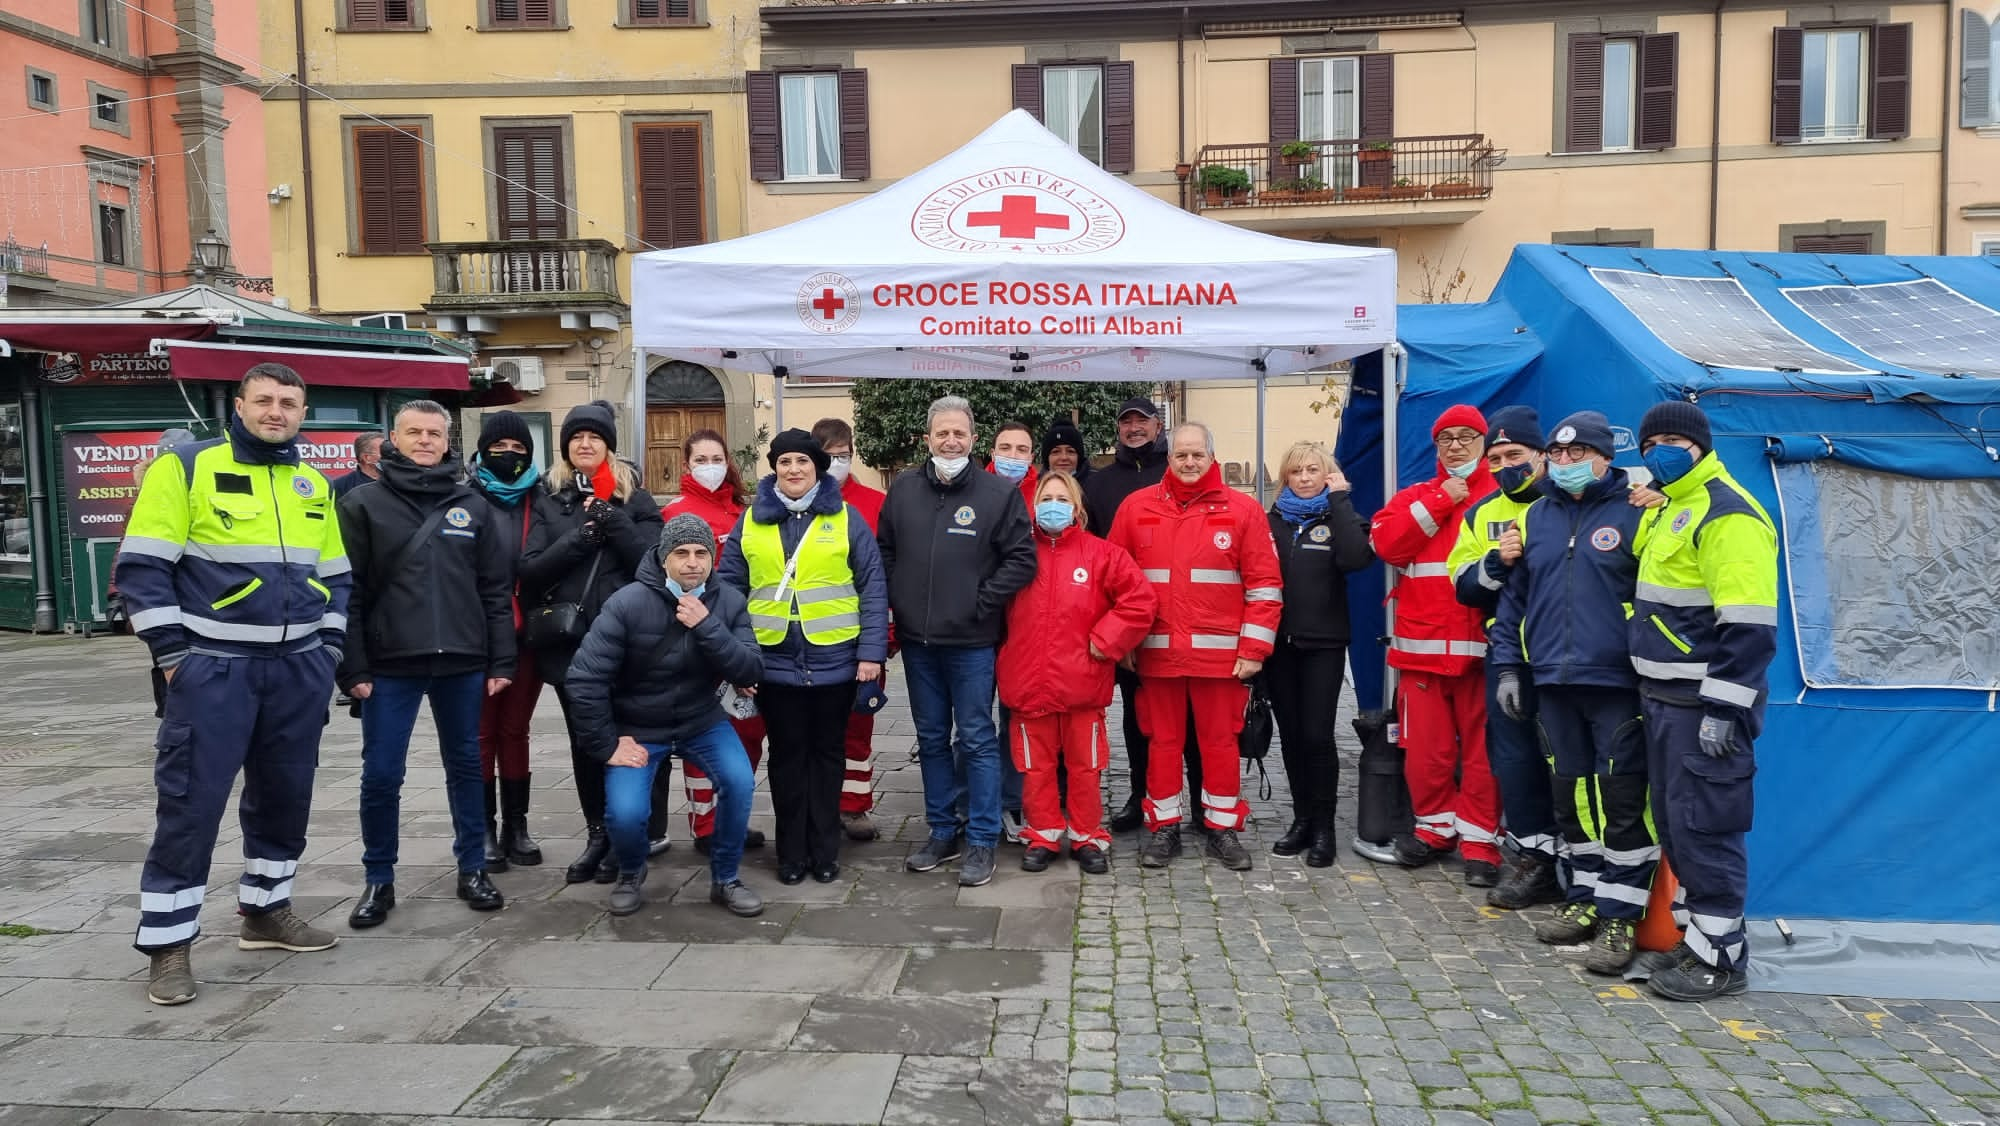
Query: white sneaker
pixel 1013 827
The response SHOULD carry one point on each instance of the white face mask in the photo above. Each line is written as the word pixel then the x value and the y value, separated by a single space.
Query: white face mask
pixel 949 467
pixel 1462 471
pixel 710 476
pixel 839 468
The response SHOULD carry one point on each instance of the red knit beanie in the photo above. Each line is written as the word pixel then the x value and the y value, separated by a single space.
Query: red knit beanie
pixel 1463 414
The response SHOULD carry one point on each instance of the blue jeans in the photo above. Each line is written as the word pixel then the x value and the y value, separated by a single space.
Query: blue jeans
pixel 628 799
pixel 1010 775
pixel 388 717
pixel 953 687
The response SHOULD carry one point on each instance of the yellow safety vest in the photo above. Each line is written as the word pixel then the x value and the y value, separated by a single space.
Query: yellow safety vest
pixel 820 597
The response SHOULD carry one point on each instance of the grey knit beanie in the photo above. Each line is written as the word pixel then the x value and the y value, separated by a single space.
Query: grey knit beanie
pixel 685 528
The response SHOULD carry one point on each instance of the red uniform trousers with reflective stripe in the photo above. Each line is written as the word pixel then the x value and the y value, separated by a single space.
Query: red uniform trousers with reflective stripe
pixel 1444 745
pixel 1218 717
pixel 700 792
pixel 1075 741
pixel 857 786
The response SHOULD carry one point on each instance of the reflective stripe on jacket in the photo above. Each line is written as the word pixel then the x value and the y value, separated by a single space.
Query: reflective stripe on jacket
pixel 1476 570
pixel 1085 592
pixel 1706 608
pixel 233 551
pixel 1415 533
pixel 820 595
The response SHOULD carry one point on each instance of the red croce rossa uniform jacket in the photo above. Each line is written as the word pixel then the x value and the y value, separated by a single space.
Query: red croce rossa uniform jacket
pixel 1414 533
pixel 1207 550
pixel 718 508
pixel 1086 591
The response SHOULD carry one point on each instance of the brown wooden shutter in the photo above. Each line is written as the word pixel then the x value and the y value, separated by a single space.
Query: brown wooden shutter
pixel 671 184
pixel 1787 78
pixel 529 187
pixel 1028 89
pixel 523 13
pixel 1284 100
pixel 1889 108
pixel 1975 69
pixel 1118 117
pixel 1659 86
pixel 389 180
pixel 1833 244
pixel 854 125
pixel 767 161
pixel 538 11
pixel 1378 97
pixel 364 13
pixel 1583 113
pixel 396 13
pixel 662 11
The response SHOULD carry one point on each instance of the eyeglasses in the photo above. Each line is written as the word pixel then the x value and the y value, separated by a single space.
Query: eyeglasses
pixel 1462 440
pixel 1570 453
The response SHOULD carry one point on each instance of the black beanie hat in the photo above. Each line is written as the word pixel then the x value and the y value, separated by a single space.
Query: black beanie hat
pixel 1676 417
pixel 1064 433
pixel 596 416
pixel 502 425
pixel 1586 428
pixel 1518 424
pixel 796 441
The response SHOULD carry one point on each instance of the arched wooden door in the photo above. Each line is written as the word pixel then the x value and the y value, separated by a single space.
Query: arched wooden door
pixel 680 399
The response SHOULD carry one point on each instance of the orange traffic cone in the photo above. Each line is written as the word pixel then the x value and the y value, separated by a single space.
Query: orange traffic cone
pixel 1657 929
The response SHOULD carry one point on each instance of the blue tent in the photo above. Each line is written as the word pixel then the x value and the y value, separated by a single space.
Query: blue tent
pixel 1858 397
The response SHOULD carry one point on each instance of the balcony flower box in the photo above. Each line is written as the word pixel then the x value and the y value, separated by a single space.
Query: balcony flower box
pixel 1404 189
pixel 1455 189
pixel 1364 193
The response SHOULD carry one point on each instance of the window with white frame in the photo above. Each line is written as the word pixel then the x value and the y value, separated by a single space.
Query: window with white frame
pixel 1833 95
pixel 1073 107
pixel 809 106
pixel 1986 246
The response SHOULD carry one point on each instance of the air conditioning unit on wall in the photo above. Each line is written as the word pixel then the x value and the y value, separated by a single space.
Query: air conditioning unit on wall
pixel 383 320
pixel 523 373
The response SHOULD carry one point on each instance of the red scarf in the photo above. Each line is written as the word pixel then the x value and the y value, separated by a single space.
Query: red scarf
pixel 1185 494
pixel 604 480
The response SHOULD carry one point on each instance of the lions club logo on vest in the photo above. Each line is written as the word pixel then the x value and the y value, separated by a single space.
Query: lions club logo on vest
pixel 964 515
pixel 459 519
pixel 1080 575
pixel 303 486
pixel 1222 541
pixel 1320 533
pixel 1605 539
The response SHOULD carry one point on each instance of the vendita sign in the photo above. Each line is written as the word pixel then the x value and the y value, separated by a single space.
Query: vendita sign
pixel 97 472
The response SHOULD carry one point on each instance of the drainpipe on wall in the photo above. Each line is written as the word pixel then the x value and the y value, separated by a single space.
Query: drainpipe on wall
pixel 1180 93
pixel 305 154
pixel 1944 136
pixel 153 147
pixel 1715 134
pixel 41 541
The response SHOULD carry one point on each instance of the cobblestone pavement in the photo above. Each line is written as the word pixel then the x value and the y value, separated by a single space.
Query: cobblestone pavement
pixel 1285 994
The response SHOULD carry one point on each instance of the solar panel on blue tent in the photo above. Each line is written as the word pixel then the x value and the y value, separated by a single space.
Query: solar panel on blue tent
pixel 1923 325
pixel 1715 321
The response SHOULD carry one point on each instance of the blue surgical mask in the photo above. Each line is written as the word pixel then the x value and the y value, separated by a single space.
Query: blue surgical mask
pixel 674 589
pixel 1012 468
pixel 1668 463
pixel 1513 479
pixel 1054 516
pixel 1462 471
pixel 1572 476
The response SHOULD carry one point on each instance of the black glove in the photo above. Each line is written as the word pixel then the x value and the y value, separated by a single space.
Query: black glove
pixel 1718 736
pixel 592 533
pixel 602 511
pixel 1507 692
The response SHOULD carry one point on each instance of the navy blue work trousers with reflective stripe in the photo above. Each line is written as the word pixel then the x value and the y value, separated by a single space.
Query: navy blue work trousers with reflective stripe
pixel 258 716
pixel 1515 756
pixel 1597 754
pixel 1702 808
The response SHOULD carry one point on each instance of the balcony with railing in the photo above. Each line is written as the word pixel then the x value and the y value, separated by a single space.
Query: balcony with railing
pixel 525 277
pixel 1448 177
pixel 18 259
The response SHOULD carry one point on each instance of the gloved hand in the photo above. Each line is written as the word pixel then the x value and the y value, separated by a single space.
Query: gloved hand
pixel 1507 692
pixel 1718 736
pixel 592 533
pixel 601 511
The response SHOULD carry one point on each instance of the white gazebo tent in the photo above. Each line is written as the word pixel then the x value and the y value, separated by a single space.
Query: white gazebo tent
pixel 1012 258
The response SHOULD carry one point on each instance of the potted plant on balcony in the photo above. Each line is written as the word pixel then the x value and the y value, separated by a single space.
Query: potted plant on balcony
pixel 1221 184
pixel 1455 187
pixel 1376 151
pixel 1405 188
pixel 1299 154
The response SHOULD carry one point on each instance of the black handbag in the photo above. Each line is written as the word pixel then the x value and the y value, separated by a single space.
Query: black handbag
pixel 560 625
pixel 1253 743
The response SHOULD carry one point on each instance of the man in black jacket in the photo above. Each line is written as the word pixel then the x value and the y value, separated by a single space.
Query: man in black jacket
pixel 957 545
pixel 431 616
pixel 1140 462
pixel 644 687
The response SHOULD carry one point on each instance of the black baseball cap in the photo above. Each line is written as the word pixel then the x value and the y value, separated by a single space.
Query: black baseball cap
pixel 1142 405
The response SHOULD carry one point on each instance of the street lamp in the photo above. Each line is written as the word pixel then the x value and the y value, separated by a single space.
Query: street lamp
pixel 211 256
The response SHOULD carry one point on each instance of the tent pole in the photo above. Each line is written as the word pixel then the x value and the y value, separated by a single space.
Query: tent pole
pixel 637 404
pixel 778 401
pixel 1260 438
pixel 1395 369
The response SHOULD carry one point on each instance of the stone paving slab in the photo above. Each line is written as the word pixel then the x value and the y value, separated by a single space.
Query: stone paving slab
pixel 815 1087
pixel 343 1078
pixel 840 970
pixel 644 1084
pixel 409 1014
pixel 638 1018
pixel 933 1026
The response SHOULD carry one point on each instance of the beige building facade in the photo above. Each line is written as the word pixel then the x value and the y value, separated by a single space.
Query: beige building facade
pixel 1447 135
pixel 486 169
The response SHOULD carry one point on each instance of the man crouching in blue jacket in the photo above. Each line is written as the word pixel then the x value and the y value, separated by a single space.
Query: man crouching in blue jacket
pixel 645 682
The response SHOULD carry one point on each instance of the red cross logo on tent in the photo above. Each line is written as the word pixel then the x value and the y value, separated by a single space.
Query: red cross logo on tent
pixel 1018 217
pixel 828 302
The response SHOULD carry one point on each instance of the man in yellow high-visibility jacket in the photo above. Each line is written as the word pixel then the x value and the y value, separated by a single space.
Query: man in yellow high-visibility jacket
pixel 237 580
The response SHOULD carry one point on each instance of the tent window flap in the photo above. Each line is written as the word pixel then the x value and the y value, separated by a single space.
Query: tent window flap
pixel 1891 577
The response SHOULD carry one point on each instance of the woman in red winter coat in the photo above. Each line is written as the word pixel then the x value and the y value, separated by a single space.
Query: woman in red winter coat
pixel 711 488
pixel 1087 608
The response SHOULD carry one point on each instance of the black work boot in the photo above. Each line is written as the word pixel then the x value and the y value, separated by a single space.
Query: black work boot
pixel 1320 849
pixel 514 839
pixel 496 853
pixel 596 851
pixel 1528 881
pixel 1295 839
pixel 1161 848
pixel 1129 816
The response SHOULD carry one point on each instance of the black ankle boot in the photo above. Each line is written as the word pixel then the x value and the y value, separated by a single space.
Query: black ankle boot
pixel 514 839
pixel 1295 839
pixel 496 855
pixel 1319 848
pixel 1129 816
pixel 596 852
